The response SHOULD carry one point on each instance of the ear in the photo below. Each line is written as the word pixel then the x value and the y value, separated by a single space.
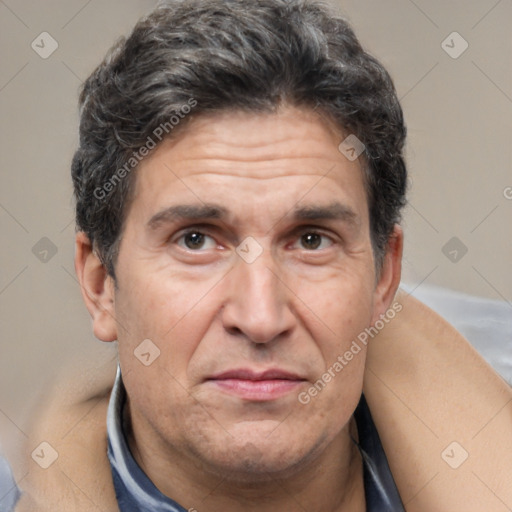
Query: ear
pixel 390 274
pixel 97 289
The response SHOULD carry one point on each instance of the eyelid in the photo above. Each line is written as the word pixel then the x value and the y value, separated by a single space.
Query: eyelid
pixel 303 230
pixel 208 230
pixel 320 230
pixel 180 234
pixel 205 229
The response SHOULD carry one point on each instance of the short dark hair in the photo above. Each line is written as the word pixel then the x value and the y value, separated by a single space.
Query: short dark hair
pixel 198 56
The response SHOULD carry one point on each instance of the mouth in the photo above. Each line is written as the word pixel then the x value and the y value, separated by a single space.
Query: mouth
pixel 257 386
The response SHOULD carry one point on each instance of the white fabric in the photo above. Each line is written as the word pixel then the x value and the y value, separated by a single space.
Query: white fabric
pixel 486 323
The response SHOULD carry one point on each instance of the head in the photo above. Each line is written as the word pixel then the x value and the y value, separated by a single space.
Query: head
pixel 221 211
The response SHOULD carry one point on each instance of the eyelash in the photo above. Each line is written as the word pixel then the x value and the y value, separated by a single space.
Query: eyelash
pixel 298 234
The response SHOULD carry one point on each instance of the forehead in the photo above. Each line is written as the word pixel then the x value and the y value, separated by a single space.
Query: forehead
pixel 267 160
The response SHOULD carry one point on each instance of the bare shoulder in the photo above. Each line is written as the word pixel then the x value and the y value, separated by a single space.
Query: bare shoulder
pixel 65 459
pixel 443 414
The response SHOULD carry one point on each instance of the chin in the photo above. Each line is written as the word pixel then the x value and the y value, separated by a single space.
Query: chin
pixel 259 454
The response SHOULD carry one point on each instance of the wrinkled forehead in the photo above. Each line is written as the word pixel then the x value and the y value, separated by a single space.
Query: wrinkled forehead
pixel 292 162
pixel 258 153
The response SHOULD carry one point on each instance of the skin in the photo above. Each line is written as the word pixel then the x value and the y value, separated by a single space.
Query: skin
pixel 297 307
pixel 445 389
pixel 427 388
pixel 249 314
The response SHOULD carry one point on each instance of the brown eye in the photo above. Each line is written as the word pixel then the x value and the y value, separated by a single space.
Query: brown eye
pixel 195 240
pixel 311 240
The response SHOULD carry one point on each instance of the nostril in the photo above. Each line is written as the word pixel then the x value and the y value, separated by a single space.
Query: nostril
pixel 235 331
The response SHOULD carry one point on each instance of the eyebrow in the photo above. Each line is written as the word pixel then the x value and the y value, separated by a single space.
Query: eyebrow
pixel 181 212
pixel 333 211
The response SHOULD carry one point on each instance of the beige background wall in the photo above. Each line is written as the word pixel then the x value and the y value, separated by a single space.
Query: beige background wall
pixel 458 110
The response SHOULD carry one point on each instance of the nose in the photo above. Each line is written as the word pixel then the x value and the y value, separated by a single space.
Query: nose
pixel 258 302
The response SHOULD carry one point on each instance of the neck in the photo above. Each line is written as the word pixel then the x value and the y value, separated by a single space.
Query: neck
pixel 332 481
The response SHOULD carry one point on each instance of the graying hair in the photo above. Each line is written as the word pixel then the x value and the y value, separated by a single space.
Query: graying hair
pixel 252 55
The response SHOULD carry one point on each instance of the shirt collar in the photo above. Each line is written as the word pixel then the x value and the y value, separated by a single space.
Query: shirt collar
pixel 136 492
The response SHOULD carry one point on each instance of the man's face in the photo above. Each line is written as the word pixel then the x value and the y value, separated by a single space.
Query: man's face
pixel 246 250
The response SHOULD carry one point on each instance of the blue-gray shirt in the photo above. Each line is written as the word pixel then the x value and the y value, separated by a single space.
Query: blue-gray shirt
pixel 136 492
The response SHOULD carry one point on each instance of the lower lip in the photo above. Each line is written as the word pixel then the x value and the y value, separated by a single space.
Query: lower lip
pixel 258 390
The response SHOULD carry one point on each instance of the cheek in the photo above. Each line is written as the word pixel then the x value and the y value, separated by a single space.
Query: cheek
pixel 164 328
pixel 157 300
pixel 165 311
pixel 335 390
pixel 344 309
pixel 341 307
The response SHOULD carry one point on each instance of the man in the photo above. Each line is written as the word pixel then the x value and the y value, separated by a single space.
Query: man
pixel 239 183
